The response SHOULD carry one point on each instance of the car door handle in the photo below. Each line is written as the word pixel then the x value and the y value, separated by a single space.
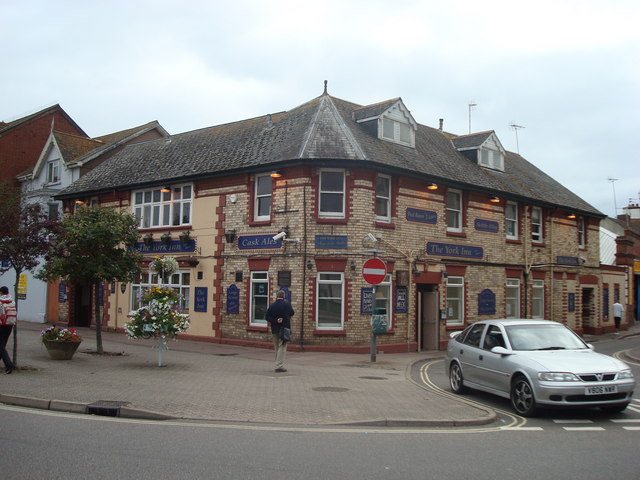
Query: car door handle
pixel 481 357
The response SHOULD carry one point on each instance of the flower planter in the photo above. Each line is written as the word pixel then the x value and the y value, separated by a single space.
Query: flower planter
pixel 61 350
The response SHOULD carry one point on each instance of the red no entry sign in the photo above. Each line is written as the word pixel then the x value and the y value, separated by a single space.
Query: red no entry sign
pixel 373 271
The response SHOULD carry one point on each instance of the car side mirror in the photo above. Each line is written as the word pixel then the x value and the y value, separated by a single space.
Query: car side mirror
pixel 501 351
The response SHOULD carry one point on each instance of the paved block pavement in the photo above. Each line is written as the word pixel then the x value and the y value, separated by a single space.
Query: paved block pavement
pixel 207 381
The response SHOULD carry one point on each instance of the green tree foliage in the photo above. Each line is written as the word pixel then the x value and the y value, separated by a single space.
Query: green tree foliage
pixel 94 246
pixel 25 233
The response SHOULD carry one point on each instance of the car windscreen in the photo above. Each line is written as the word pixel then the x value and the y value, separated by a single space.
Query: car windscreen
pixel 543 337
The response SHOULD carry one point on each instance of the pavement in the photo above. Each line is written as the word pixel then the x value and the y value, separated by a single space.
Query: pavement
pixel 225 383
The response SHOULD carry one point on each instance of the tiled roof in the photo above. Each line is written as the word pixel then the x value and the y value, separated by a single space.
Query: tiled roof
pixel 73 147
pixel 472 140
pixel 374 110
pixel 9 125
pixel 321 130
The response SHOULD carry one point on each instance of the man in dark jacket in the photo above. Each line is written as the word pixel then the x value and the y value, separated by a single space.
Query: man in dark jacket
pixel 279 316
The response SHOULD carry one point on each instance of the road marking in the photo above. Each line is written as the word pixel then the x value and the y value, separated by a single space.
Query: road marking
pixel 584 429
pixel 571 421
pixel 625 420
pixel 635 409
pixel 631 428
pixel 522 429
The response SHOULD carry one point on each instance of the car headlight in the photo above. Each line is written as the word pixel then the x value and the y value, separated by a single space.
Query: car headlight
pixel 558 377
pixel 625 374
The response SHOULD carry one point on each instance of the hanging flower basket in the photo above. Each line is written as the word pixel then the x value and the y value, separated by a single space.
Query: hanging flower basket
pixel 164 266
pixel 160 319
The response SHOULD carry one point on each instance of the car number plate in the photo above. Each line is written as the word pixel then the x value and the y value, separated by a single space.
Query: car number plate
pixel 599 390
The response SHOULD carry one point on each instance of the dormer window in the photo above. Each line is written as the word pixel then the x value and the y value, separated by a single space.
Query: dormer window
pixel 482 148
pixel 491 158
pixel 390 121
pixel 397 131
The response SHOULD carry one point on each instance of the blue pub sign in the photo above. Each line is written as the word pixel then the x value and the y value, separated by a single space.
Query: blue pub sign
pixel 486 302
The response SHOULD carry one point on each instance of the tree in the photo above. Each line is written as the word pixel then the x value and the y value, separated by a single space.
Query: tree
pixel 94 246
pixel 25 233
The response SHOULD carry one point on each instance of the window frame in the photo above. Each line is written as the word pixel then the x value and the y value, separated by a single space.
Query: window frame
pixel 514 300
pixel 457 212
pixel 256 279
pixel 257 197
pixel 53 171
pixel 537 299
pixel 385 285
pixel 332 214
pixel 157 209
pixel 511 220
pixel 537 234
pixel 582 232
pixel 340 280
pixel 381 198
pixel 457 283
pixel 398 130
pixel 176 281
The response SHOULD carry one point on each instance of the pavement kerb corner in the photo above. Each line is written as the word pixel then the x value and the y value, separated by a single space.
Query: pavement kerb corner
pixel 490 417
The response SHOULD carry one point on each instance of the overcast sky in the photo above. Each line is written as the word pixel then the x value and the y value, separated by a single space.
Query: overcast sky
pixel 568 72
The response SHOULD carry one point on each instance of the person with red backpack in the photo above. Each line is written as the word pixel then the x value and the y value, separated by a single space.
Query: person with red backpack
pixel 8 316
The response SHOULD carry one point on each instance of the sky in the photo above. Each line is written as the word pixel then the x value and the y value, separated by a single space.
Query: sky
pixel 566 73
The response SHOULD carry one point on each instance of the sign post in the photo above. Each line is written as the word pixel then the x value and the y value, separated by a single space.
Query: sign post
pixel 374 272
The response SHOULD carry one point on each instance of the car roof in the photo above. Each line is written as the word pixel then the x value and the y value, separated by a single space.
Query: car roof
pixel 519 321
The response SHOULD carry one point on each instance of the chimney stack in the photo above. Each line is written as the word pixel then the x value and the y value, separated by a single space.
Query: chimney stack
pixel 441 124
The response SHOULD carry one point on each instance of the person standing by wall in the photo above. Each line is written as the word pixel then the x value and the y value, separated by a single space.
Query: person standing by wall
pixel 279 316
pixel 617 313
pixel 7 321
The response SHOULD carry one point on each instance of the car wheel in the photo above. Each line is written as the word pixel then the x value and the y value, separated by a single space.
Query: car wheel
pixel 522 398
pixel 455 378
pixel 614 408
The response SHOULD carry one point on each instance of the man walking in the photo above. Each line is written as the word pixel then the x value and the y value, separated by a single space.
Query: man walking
pixel 279 316
pixel 617 313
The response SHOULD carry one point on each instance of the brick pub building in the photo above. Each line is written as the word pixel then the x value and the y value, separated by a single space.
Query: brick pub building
pixel 467 230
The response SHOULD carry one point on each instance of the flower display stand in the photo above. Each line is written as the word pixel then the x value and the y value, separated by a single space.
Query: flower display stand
pixel 61 350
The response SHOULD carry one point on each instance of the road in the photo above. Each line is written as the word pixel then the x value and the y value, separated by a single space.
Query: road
pixel 586 444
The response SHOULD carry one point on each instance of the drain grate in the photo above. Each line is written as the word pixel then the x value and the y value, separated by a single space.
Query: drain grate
pixel 373 378
pixel 106 408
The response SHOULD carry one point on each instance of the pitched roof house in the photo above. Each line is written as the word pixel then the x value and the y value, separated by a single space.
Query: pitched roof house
pixel 22 140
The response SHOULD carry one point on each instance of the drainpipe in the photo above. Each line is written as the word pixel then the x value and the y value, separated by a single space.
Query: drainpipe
pixel 304 261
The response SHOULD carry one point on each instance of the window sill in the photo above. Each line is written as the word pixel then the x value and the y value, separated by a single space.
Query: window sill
pixel 457 234
pixel 538 244
pixel 387 225
pixel 335 221
pixel 260 223
pixel 513 241
pixel 164 229
pixel 330 333
pixel 257 328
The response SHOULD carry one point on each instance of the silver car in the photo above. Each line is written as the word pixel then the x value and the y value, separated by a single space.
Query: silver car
pixel 536 362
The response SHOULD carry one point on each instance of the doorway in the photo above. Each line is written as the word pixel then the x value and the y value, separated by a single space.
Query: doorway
pixel 428 324
pixel 82 306
pixel 587 308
